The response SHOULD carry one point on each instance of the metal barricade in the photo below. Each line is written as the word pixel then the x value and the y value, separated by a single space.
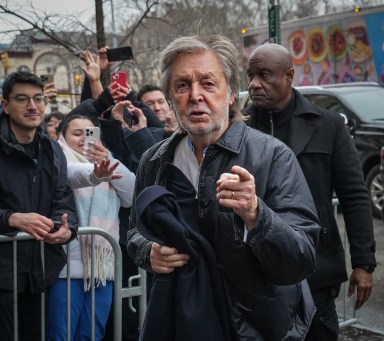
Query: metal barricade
pixel 118 292
pixel 345 320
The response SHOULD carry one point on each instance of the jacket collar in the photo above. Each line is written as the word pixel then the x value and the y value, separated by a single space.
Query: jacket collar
pixel 304 106
pixel 9 138
pixel 305 124
pixel 231 140
pixel 233 137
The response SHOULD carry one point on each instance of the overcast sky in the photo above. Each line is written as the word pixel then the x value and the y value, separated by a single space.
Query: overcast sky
pixel 57 6
pixel 84 9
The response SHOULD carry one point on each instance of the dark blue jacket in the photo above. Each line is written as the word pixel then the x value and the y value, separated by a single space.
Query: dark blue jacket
pixel 29 187
pixel 262 276
pixel 189 300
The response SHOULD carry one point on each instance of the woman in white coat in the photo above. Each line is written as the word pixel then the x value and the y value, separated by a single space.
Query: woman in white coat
pixel 97 206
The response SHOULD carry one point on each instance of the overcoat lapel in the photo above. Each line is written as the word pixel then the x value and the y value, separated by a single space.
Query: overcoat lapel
pixel 300 134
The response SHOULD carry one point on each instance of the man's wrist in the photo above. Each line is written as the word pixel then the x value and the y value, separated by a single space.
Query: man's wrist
pixel 73 235
pixel 94 80
pixel 367 267
pixel 7 216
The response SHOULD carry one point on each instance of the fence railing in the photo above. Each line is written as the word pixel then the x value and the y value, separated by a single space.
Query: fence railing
pixel 345 320
pixel 118 291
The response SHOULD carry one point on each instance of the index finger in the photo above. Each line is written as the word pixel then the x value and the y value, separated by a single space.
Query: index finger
pixel 243 174
pixel 136 110
pixel 98 146
pixel 164 250
pixel 49 86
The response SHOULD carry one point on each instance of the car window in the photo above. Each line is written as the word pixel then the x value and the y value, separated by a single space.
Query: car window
pixel 367 103
pixel 244 99
pixel 327 102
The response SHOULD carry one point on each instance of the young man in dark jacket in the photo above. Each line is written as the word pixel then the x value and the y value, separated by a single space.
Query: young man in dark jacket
pixel 329 161
pixel 243 191
pixel 34 193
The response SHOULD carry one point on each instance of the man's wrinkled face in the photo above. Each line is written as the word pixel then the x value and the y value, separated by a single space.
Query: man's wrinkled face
pixel 269 82
pixel 200 93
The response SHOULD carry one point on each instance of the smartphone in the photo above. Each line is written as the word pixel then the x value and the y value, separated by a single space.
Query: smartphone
pixel 129 117
pixel 92 135
pixel 47 78
pixel 56 226
pixel 119 77
pixel 119 53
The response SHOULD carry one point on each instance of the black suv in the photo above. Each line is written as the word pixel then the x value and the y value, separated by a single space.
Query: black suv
pixel 362 105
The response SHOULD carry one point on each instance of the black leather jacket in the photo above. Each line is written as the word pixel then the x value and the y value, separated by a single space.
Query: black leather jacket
pixel 261 273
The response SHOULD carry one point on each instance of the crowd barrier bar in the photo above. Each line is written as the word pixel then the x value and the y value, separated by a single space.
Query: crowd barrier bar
pixel 117 292
pixel 345 322
pixel 120 292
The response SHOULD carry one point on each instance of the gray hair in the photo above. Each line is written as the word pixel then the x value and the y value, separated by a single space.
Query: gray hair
pixel 223 48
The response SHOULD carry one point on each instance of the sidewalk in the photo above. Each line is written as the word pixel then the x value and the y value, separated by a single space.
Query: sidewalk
pixel 370 324
pixel 354 333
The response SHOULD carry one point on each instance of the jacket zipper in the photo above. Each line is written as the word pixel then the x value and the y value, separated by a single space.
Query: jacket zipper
pixel 271 123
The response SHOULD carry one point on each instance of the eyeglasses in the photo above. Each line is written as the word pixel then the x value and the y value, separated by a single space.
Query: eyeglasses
pixel 24 99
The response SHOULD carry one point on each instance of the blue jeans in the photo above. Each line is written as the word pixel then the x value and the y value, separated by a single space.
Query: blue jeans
pixel 56 325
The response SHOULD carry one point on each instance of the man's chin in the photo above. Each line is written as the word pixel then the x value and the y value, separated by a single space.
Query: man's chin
pixel 263 104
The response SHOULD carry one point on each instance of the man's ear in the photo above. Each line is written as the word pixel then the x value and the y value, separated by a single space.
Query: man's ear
pixel 232 99
pixel 289 75
pixel 4 104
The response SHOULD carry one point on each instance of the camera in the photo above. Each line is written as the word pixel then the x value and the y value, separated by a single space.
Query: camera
pixel 91 136
pixel 47 78
pixel 56 226
pixel 119 77
pixel 129 117
pixel 119 53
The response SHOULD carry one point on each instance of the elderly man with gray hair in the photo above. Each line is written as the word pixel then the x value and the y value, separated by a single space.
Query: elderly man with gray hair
pixel 222 213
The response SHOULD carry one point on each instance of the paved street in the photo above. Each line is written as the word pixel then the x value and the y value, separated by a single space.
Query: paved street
pixel 370 324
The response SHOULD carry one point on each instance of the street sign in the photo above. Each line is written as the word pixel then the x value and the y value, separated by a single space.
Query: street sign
pixel 274 24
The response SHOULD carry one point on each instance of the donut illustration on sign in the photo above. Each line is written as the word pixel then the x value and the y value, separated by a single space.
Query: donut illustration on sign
pixel 336 42
pixel 317 48
pixel 298 47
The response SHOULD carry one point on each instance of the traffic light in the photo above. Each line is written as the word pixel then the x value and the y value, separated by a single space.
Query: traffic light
pixel 5 60
pixel 77 79
pixel 357 9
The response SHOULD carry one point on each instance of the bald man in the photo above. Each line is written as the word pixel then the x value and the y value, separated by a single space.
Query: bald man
pixel 329 160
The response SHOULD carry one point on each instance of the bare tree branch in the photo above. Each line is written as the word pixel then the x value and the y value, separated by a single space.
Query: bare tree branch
pixel 40 25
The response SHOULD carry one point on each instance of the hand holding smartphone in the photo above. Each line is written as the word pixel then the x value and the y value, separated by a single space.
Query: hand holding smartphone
pixel 91 136
pixel 119 53
pixel 130 118
pixel 119 77
pixel 47 79
pixel 56 226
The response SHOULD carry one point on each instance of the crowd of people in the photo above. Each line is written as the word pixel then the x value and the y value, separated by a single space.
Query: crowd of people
pixel 229 211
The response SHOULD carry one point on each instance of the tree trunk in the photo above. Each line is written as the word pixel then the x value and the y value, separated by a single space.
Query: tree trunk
pixel 100 33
